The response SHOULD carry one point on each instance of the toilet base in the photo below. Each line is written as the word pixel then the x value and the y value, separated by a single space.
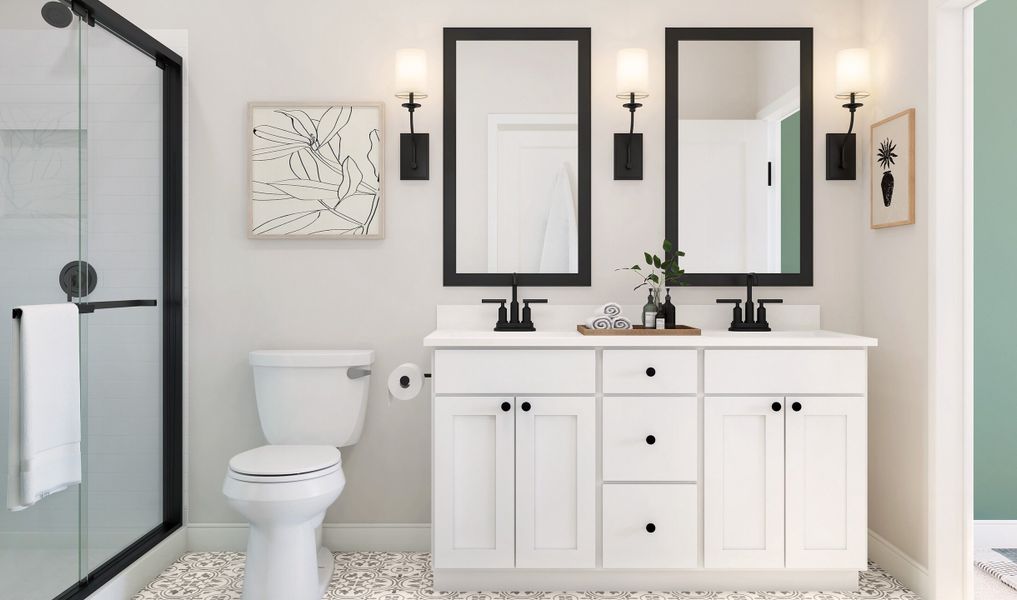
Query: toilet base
pixel 326 565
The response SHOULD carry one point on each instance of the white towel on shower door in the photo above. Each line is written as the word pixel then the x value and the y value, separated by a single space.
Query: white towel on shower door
pixel 45 420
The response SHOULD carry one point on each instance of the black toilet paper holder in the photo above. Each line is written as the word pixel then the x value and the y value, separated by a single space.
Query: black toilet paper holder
pixel 404 381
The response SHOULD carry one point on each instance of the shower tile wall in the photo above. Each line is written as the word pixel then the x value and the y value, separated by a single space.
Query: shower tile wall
pixel 122 239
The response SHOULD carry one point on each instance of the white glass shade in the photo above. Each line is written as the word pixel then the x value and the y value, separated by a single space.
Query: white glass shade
pixel 411 72
pixel 633 74
pixel 853 73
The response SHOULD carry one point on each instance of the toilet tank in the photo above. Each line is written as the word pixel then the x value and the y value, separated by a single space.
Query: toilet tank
pixel 311 396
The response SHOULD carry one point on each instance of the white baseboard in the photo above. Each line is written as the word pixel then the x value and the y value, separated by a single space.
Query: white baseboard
pixel 895 562
pixel 141 572
pixel 995 534
pixel 338 537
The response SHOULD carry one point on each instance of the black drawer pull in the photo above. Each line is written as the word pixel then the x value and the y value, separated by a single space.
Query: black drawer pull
pixel 650 371
pixel 797 406
pixel 651 440
pixel 525 406
pixel 650 528
pixel 505 406
pixel 775 406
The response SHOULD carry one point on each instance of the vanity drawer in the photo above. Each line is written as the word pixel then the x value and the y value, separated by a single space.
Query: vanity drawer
pixel 650 371
pixel 650 526
pixel 650 438
pixel 515 372
pixel 785 371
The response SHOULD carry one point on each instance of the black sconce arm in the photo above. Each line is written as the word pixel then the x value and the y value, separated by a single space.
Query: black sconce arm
pixel 411 106
pixel 852 106
pixel 632 105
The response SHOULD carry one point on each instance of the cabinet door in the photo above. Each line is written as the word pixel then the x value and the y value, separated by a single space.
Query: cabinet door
pixel 826 483
pixel 743 482
pixel 555 482
pixel 473 482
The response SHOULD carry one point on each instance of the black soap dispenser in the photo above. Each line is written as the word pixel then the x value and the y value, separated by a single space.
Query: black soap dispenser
pixel 669 312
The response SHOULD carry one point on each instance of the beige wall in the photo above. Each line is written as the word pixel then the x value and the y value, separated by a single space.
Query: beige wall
pixel 248 294
pixel 895 289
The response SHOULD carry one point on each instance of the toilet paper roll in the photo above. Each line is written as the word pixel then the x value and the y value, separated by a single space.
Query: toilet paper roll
pixel 405 382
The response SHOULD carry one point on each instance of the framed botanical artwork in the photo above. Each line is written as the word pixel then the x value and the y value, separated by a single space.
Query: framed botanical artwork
pixel 316 171
pixel 892 156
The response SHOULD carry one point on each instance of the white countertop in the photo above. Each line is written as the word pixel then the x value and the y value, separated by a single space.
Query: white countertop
pixel 452 338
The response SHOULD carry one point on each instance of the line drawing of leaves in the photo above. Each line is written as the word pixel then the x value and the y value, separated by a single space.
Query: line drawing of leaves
pixel 292 217
pixel 278 151
pixel 303 189
pixel 352 177
pixel 280 135
pixel 330 123
pixel 316 170
pixel 304 165
pixel 302 122
pixel 372 153
pixel 262 191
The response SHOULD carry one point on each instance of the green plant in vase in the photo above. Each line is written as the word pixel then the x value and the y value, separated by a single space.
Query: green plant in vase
pixel 659 272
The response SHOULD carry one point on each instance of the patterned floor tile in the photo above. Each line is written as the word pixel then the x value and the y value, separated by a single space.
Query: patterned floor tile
pixel 407 576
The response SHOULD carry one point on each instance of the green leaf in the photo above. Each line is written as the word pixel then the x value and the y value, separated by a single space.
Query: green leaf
pixel 636 268
pixel 656 261
pixel 649 259
pixel 667 245
pixel 653 278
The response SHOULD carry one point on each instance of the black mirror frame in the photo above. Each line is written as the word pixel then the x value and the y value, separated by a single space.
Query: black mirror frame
pixel 580 35
pixel 803 35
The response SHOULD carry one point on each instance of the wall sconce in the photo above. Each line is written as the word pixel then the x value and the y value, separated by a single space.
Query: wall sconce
pixel 411 81
pixel 633 75
pixel 853 84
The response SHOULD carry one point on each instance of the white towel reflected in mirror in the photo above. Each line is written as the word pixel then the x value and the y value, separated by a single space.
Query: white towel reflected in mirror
pixel 560 252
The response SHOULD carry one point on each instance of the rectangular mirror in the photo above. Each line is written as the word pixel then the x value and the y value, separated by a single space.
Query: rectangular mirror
pixel 739 154
pixel 517 156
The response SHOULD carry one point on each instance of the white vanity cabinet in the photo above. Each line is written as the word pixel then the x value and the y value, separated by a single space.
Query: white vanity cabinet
pixel 514 475
pixel 785 475
pixel 727 460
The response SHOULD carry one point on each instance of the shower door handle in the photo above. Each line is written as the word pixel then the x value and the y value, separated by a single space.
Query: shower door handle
pixel 86 308
pixel 91 307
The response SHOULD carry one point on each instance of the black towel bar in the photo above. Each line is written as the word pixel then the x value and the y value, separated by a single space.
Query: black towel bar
pixel 90 307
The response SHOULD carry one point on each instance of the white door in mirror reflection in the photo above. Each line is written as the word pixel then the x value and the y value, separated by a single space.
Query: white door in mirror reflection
pixel 729 217
pixel 531 198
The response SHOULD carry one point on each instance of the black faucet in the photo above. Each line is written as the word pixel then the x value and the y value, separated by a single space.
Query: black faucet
pixel 508 320
pixel 754 320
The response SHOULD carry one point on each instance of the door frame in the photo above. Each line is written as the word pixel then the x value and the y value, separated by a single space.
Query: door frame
pixel 950 248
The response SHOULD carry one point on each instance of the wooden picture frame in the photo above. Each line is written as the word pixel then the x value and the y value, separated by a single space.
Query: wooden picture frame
pixel 892 174
pixel 316 170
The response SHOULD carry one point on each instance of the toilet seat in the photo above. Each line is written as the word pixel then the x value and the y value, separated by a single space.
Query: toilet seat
pixel 285 463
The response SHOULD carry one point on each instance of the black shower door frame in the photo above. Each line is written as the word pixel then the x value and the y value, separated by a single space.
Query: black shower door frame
pixel 94 13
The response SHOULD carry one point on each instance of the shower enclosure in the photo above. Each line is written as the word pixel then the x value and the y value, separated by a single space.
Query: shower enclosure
pixel 90 212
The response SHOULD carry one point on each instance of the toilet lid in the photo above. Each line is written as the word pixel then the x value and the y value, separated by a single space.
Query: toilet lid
pixel 279 460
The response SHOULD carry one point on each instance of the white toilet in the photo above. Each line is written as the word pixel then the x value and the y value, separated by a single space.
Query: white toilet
pixel 309 402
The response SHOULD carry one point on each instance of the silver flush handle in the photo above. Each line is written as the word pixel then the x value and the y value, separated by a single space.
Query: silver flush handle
pixel 357 372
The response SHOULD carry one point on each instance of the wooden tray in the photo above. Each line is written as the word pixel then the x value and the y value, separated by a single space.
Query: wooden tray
pixel 640 330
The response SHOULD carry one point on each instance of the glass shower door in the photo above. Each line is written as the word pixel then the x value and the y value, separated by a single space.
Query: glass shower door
pixel 42 174
pixel 122 240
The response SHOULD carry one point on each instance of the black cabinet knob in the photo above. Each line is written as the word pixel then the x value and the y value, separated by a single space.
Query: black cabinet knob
pixel 651 440
pixel 650 371
pixel 525 406
pixel 650 528
pixel 505 406
pixel 775 406
pixel 797 406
